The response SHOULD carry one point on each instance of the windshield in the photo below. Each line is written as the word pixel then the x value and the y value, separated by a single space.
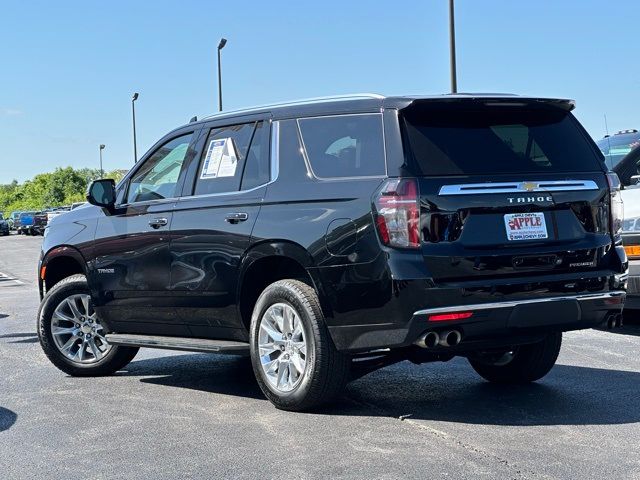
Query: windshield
pixel 472 139
pixel 616 147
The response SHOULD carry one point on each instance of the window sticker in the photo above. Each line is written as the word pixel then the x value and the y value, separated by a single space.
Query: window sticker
pixel 221 160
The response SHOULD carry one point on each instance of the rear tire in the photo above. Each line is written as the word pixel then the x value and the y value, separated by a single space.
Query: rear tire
pixel 293 357
pixel 65 307
pixel 524 364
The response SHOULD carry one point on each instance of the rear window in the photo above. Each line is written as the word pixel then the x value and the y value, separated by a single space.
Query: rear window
pixel 476 140
pixel 344 145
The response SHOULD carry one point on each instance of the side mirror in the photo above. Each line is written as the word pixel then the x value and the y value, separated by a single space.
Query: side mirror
pixel 102 193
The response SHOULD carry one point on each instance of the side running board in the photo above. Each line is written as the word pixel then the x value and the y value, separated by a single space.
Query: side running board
pixel 179 343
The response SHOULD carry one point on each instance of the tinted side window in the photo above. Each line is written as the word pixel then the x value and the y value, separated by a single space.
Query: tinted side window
pixel 256 169
pixel 223 159
pixel 157 177
pixel 344 146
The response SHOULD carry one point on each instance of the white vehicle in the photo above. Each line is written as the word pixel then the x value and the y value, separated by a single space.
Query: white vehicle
pixel 631 240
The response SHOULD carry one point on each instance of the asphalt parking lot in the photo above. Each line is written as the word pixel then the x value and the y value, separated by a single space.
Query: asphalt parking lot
pixel 181 415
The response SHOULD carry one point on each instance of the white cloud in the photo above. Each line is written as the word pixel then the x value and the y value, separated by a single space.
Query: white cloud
pixel 11 112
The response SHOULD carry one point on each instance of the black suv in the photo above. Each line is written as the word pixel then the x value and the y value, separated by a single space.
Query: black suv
pixel 331 237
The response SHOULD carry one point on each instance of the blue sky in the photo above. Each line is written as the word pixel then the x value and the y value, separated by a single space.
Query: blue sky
pixel 69 68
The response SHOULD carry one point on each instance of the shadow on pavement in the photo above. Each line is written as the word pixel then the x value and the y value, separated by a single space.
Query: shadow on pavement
pixel 221 374
pixel 570 395
pixel 26 337
pixel 7 419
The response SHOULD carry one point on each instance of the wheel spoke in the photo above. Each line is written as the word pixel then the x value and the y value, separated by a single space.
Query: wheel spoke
pixel 279 319
pixel 63 331
pixel 270 366
pixel 74 308
pixel 268 348
pixel 297 330
pixel 287 320
pixel 61 316
pixel 283 373
pixel 301 347
pixel 94 349
pixel 80 353
pixel 299 363
pixel 270 330
pixel 85 304
pixel 67 346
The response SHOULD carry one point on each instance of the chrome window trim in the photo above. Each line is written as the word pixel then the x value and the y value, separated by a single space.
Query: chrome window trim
pixel 307 162
pixel 518 187
pixel 274 158
pixel 496 305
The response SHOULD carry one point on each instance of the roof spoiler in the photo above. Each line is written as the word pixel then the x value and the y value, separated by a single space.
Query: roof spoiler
pixel 502 100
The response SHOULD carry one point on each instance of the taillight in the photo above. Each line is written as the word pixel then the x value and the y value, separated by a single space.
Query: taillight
pixel 397 212
pixel 617 206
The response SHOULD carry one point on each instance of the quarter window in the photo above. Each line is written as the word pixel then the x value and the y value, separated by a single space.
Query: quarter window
pixel 157 178
pixel 344 146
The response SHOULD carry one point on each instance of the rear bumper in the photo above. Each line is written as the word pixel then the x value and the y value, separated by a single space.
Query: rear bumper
pixel 493 323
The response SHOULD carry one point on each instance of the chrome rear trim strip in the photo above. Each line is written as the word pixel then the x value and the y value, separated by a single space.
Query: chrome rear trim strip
pixel 518 187
pixel 495 305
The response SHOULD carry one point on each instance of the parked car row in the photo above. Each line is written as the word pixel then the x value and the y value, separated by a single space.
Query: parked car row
pixel 33 222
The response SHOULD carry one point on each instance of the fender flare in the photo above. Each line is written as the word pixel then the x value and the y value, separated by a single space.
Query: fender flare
pixel 285 249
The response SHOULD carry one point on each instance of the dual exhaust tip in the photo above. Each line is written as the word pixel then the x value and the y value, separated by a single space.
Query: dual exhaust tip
pixel 614 320
pixel 449 338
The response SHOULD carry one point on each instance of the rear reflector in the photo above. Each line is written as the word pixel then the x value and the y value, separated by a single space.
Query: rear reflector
pixel 445 317
pixel 633 251
pixel 43 272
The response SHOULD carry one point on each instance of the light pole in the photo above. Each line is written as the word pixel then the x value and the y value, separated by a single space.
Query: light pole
pixel 452 48
pixel 223 42
pixel 133 111
pixel 101 170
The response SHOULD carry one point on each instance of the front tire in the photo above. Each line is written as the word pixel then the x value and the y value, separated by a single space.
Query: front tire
pixel 72 336
pixel 294 360
pixel 523 364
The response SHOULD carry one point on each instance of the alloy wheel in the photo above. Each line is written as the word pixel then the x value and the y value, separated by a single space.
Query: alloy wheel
pixel 282 347
pixel 77 332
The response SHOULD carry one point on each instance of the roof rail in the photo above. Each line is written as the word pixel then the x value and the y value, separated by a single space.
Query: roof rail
pixel 334 98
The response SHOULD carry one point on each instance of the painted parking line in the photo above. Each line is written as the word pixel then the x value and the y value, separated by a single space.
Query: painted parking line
pixel 8 279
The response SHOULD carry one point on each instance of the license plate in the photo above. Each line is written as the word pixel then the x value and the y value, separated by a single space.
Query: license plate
pixel 525 226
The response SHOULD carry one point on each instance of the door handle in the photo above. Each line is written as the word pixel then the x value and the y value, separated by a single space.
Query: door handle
pixel 158 222
pixel 234 218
